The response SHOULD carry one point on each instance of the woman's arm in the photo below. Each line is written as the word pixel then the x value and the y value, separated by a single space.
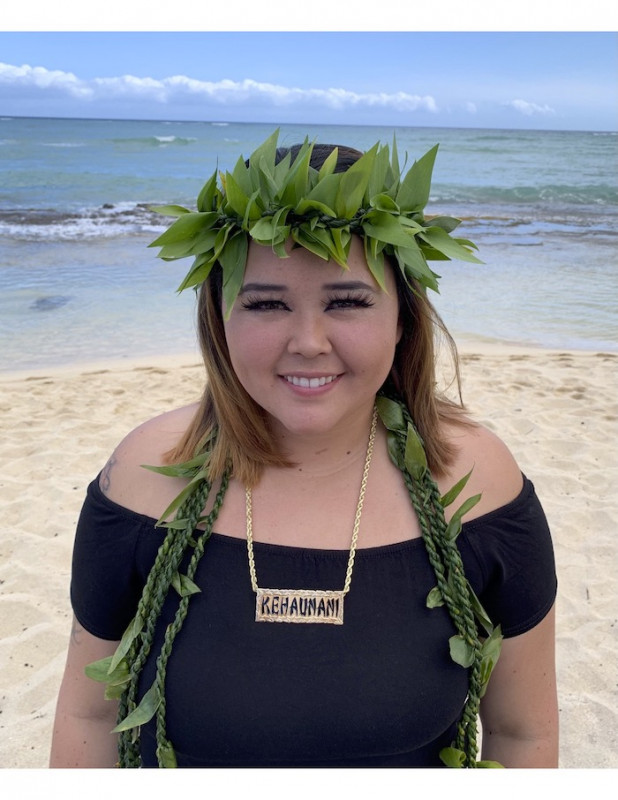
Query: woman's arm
pixel 519 712
pixel 84 718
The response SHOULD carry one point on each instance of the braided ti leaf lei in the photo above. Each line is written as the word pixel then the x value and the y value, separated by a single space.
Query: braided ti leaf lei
pixel 121 671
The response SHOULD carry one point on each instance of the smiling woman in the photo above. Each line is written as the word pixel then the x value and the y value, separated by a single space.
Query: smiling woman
pixel 320 458
pixel 293 339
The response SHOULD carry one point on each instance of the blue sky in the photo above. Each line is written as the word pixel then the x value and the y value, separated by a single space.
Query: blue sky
pixel 537 80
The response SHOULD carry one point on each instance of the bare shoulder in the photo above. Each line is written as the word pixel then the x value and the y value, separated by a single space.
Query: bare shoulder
pixel 124 479
pixel 496 475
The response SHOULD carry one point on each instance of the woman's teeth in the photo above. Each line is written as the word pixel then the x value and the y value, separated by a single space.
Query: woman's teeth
pixel 309 383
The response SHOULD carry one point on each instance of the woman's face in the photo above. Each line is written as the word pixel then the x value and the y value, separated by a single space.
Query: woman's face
pixel 310 342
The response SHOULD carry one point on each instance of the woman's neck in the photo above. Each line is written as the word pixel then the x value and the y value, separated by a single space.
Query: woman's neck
pixel 321 455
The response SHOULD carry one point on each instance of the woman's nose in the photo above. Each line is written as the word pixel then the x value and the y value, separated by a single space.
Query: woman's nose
pixel 309 335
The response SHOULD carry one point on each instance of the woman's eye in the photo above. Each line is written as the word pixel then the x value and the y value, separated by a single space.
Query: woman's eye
pixel 349 301
pixel 264 304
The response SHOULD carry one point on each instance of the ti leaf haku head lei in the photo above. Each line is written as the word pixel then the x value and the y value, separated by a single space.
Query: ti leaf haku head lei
pixel 271 200
pixel 319 210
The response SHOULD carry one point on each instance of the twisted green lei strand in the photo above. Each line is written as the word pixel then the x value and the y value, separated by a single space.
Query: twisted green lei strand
pixel 121 672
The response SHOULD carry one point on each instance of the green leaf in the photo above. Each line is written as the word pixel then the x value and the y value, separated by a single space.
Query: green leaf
pixel 133 630
pixel 447 224
pixel 441 241
pixel 282 169
pixel 99 670
pixel 324 194
pixel 262 231
pixel 266 182
pixel 242 176
pixel 378 179
pixel 233 260
pixel 176 524
pixel 415 458
pixel 434 598
pixel 454 492
pixel 188 490
pixel 489 765
pixel 282 229
pixel 170 211
pixel 354 182
pixel 461 651
pixel 166 756
pixel 264 153
pixel 115 691
pixel 452 757
pixel 200 270
pixel 382 202
pixel 479 612
pixel 391 414
pixel 202 242
pixel 394 450
pixel 254 210
pixel 305 207
pixel 328 238
pixel 234 195
pixel 414 191
pixel 184 585
pixel 296 185
pixel 328 167
pixel 185 228
pixel 464 508
pixel 413 264
pixel 375 261
pixel 208 192
pixel 490 653
pixel 144 712
pixel 340 238
pixel 306 239
pixel 185 470
pixel 387 228
pixel 453 529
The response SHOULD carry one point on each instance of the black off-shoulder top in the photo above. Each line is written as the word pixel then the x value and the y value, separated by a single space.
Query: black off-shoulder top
pixel 379 690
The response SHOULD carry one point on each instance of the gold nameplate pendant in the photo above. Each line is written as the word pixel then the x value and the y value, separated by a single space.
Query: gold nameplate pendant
pixel 299 605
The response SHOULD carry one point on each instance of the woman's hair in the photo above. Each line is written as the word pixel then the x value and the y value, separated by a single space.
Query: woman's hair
pixel 243 437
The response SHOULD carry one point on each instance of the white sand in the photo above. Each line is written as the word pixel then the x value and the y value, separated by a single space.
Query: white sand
pixel 558 413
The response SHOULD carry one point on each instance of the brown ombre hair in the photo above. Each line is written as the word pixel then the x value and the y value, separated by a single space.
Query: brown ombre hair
pixel 243 438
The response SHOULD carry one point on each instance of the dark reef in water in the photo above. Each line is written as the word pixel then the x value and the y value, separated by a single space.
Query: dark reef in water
pixel 49 303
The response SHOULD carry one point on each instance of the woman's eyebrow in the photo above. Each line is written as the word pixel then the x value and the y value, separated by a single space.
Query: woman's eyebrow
pixel 280 287
pixel 262 287
pixel 349 286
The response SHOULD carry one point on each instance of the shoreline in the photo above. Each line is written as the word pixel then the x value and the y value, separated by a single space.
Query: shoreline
pixel 465 347
pixel 557 410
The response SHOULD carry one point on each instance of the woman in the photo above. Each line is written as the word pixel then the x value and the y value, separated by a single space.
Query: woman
pixel 301 469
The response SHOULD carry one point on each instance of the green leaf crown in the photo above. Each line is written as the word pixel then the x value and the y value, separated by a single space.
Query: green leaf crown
pixel 317 209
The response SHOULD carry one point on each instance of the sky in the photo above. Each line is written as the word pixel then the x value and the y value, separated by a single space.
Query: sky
pixel 559 80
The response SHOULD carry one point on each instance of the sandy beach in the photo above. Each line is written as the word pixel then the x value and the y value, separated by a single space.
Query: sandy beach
pixel 557 411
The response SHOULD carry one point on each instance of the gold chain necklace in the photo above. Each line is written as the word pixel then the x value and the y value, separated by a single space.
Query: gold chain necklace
pixel 307 605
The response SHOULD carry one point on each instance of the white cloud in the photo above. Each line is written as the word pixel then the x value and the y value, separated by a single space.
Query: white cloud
pixel 41 78
pixel 180 88
pixel 529 109
pixel 471 108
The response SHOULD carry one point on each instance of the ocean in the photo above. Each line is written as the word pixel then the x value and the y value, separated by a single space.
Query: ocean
pixel 78 282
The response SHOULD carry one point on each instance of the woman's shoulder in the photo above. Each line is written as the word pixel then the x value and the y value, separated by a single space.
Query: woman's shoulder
pixel 494 472
pixel 125 481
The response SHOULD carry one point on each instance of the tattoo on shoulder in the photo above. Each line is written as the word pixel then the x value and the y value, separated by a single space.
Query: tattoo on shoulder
pixel 105 479
pixel 76 630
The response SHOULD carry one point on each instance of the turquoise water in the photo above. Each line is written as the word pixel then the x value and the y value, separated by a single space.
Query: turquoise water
pixel 78 283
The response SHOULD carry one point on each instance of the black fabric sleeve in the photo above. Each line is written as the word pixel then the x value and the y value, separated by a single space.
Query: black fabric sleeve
pixel 515 574
pixel 105 582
